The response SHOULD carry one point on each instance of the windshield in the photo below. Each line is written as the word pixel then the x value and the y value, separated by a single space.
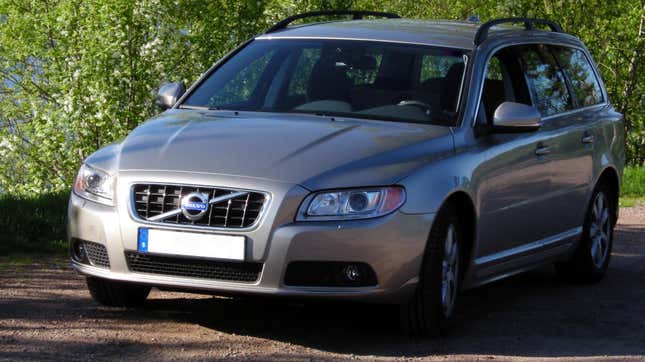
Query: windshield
pixel 362 79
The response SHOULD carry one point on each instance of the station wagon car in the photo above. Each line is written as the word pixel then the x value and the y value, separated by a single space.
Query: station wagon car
pixel 385 160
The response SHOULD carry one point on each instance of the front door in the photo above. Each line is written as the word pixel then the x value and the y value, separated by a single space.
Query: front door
pixel 517 210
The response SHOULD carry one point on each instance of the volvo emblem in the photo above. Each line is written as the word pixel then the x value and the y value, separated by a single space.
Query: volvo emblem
pixel 194 206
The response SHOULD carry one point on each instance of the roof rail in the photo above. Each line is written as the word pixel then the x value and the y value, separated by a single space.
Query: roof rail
pixel 357 14
pixel 529 24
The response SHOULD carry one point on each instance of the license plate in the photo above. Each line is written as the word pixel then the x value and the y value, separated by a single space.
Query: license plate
pixel 156 241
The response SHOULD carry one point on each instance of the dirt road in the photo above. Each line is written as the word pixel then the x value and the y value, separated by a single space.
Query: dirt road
pixel 46 313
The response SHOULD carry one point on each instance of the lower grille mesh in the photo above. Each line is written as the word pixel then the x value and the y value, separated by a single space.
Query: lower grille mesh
pixel 193 268
pixel 97 254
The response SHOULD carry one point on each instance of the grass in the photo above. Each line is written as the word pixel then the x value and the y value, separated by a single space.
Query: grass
pixel 633 187
pixel 631 201
pixel 634 182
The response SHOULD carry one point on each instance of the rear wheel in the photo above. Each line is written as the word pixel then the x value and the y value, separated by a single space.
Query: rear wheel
pixel 116 294
pixel 591 258
pixel 429 312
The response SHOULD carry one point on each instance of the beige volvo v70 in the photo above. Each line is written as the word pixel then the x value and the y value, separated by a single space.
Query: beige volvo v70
pixel 387 160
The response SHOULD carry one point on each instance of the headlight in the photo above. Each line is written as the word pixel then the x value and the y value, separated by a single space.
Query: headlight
pixel 351 204
pixel 94 185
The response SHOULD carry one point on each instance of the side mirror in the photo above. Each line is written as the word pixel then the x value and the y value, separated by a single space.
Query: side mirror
pixel 511 117
pixel 169 94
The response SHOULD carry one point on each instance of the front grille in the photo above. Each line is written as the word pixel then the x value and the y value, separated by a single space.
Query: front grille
pixel 96 254
pixel 193 268
pixel 241 212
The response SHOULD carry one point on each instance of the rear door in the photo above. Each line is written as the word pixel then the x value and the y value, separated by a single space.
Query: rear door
pixel 576 133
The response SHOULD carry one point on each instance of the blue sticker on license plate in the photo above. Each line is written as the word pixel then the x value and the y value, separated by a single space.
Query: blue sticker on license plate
pixel 142 244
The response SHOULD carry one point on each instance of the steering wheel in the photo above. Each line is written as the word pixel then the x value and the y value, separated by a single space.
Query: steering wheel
pixel 409 102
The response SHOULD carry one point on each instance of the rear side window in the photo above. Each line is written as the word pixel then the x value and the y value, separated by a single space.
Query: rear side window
pixel 583 79
pixel 545 80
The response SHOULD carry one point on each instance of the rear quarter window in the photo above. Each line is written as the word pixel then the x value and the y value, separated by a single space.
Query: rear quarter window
pixel 583 79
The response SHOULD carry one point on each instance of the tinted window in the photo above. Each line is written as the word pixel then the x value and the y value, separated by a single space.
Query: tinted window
pixel 583 79
pixel 238 83
pixel 436 66
pixel 504 82
pixel 494 70
pixel 545 80
pixel 365 69
pixel 376 80
pixel 300 77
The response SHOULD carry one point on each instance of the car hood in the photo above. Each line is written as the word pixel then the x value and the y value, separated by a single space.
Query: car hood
pixel 313 151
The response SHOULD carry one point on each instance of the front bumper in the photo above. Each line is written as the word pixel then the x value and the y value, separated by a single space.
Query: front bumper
pixel 392 245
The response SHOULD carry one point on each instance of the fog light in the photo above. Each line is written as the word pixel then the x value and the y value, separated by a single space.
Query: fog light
pixel 78 250
pixel 329 274
pixel 352 273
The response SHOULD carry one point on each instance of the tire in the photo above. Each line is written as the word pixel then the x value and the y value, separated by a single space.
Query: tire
pixel 116 294
pixel 591 258
pixel 430 311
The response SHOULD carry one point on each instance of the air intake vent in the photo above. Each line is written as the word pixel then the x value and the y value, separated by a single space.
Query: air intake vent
pixel 88 252
pixel 193 268
pixel 237 213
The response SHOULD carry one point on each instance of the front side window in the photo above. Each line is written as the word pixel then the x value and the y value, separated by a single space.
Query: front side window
pixel 361 79
pixel 545 80
pixel 583 79
pixel 503 82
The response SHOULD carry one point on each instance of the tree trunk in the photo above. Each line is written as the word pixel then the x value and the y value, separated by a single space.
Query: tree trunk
pixel 632 70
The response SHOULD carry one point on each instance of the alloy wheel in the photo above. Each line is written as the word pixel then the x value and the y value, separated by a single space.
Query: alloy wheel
pixel 600 230
pixel 450 271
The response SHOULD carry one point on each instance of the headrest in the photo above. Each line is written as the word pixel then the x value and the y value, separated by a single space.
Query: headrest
pixel 364 62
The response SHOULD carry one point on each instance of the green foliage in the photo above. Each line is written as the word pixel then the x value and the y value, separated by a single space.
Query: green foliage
pixel 35 224
pixel 79 74
pixel 633 182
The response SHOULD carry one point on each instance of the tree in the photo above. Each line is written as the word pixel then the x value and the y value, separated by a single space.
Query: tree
pixel 79 74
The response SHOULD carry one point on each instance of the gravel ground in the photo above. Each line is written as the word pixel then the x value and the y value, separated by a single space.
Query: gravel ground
pixel 46 313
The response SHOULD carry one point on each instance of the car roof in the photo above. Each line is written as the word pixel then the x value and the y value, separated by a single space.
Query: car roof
pixel 445 33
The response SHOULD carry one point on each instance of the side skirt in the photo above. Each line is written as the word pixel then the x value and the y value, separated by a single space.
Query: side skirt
pixel 493 267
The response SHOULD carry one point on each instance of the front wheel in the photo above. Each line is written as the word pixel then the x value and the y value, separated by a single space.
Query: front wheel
pixel 591 258
pixel 116 294
pixel 430 310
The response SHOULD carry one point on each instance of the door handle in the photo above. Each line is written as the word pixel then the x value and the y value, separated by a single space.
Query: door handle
pixel 542 150
pixel 588 138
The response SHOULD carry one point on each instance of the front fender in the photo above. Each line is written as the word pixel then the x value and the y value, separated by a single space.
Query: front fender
pixel 431 185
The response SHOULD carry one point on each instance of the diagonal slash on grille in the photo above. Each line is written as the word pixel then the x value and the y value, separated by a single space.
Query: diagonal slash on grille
pixel 215 200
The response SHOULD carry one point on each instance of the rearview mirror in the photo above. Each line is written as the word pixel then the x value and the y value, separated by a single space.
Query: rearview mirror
pixel 169 94
pixel 512 117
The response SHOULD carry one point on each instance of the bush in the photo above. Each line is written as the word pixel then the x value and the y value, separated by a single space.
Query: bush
pixel 33 224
